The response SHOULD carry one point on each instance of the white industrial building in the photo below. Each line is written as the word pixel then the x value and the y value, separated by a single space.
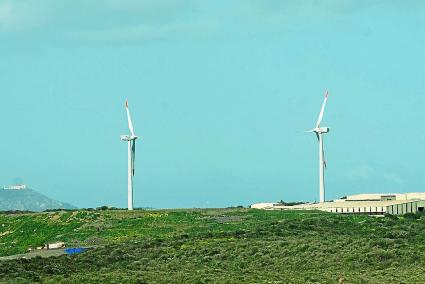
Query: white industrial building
pixel 15 187
pixel 370 204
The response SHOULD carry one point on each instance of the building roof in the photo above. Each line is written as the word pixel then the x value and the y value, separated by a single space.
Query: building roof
pixel 346 204
pixel 379 196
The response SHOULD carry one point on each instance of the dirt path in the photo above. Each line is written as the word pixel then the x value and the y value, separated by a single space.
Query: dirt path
pixel 41 253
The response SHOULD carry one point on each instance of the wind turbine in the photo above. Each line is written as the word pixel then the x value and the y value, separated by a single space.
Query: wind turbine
pixel 131 141
pixel 322 163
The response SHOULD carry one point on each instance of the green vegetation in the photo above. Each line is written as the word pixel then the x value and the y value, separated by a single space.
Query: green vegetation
pixel 216 246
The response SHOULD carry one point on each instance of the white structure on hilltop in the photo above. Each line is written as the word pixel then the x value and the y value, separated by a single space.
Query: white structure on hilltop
pixel 322 163
pixel 369 204
pixel 131 141
pixel 16 187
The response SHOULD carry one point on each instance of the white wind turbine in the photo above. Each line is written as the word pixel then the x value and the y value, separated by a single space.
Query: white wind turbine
pixel 131 140
pixel 322 163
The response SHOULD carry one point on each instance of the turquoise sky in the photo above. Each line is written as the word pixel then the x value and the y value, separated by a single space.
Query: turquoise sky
pixel 220 93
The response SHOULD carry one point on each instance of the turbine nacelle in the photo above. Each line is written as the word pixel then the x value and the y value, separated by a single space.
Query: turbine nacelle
pixel 322 130
pixel 319 130
pixel 128 137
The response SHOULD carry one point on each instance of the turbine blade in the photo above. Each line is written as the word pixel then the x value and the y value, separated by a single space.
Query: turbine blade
pixel 133 156
pixel 319 120
pixel 324 160
pixel 317 135
pixel 323 154
pixel 130 124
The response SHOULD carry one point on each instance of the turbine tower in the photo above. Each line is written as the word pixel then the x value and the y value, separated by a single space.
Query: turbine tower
pixel 322 163
pixel 131 141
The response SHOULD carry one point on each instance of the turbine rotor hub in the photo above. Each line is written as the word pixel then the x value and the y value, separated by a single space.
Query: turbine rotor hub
pixel 128 137
pixel 321 130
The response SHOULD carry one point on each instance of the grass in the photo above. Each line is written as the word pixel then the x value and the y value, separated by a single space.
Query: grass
pixel 216 246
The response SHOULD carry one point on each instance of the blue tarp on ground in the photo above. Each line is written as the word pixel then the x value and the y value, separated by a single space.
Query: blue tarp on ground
pixel 71 251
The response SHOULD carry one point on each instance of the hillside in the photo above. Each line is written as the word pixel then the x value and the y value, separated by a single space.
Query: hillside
pixel 216 246
pixel 28 200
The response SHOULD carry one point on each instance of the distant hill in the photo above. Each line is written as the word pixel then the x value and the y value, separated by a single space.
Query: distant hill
pixel 28 200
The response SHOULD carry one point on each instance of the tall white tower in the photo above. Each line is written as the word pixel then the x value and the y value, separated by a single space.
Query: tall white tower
pixel 322 163
pixel 131 142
